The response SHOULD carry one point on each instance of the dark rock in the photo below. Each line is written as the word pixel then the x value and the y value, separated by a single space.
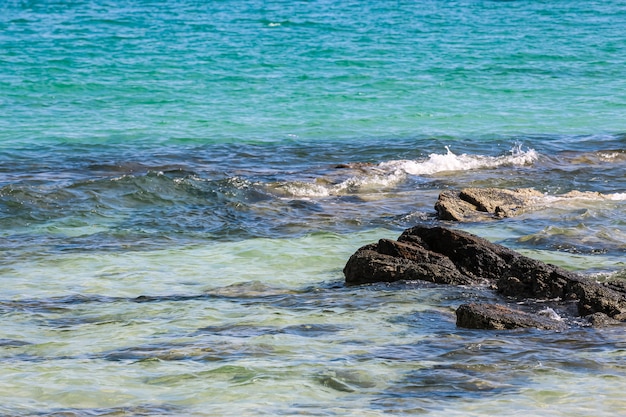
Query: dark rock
pixel 498 317
pixel 619 286
pixel 390 261
pixel 355 165
pixel 479 204
pixel 601 320
pixel 445 256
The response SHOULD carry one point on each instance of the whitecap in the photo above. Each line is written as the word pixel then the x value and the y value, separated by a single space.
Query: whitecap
pixel 617 196
pixel 391 173
pixel 303 189
pixel 364 183
pixel 369 181
pixel 583 196
pixel 452 162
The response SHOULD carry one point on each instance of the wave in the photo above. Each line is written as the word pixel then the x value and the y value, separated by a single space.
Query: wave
pixel 576 195
pixel 449 161
pixel 369 178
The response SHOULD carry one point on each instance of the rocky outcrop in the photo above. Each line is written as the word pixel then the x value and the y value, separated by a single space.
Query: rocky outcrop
pixel 601 320
pixel 498 317
pixel 445 256
pixel 389 261
pixel 477 204
pixel 480 204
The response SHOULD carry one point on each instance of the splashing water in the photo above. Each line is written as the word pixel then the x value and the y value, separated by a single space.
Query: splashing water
pixel 449 161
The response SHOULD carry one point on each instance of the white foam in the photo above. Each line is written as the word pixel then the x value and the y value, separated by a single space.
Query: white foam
pixel 550 313
pixel 584 196
pixel 304 190
pixel 390 173
pixel 452 162
pixel 367 182
pixel 617 196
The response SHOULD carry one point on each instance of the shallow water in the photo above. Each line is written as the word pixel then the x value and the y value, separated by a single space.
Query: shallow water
pixel 181 185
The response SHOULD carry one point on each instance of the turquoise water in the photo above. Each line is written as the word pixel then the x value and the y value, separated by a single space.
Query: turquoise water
pixel 181 184
pixel 185 71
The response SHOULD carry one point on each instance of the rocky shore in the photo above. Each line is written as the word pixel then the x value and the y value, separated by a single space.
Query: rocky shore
pixel 452 257
pixel 480 204
pixel 476 204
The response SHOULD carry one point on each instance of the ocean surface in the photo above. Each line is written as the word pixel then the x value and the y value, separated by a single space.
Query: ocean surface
pixel 182 182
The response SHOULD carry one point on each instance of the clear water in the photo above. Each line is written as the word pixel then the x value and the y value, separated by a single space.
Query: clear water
pixel 182 183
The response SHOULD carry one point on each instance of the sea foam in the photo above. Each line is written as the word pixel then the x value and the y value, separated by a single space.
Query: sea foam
pixel 452 162
pixel 388 174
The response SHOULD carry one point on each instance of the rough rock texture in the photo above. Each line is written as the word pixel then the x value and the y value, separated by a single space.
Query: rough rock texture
pixel 498 317
pixel 446 256
pixel 476 204
pixel 389 261
pixel 601 320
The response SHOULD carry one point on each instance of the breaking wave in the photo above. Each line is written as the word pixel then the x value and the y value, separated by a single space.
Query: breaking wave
pixel 374 178
pixel 451 162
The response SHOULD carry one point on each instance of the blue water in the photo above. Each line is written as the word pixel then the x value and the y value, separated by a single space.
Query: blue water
pixel 229 71
pixel 182 182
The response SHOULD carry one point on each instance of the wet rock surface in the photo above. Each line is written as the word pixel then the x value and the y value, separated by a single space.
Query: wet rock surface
pixel 445 256
pixel 478 204
pixel 601 320
pixel 499 317
pixel 483 204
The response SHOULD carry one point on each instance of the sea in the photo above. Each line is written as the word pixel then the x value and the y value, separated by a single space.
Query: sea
pixel 183 181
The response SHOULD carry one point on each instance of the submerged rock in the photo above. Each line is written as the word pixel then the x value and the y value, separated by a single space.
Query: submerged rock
pixel 498 317
pixel 476 204
pixel 445 256
pixel 347 380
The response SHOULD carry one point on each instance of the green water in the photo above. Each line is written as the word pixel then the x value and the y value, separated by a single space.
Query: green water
pixel 96 71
